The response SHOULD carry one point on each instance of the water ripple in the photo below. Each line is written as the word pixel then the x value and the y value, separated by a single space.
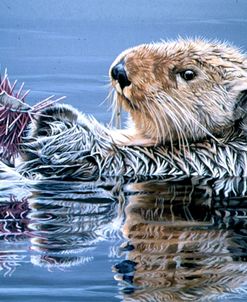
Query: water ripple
pixel 171 239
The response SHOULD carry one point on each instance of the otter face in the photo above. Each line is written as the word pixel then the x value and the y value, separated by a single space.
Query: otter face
pixel 181 91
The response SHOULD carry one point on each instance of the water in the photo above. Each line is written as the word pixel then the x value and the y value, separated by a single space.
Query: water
pixel 117 239
pixel 124 240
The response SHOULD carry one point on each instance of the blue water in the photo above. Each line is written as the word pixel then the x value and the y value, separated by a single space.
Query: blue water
pixel 62 242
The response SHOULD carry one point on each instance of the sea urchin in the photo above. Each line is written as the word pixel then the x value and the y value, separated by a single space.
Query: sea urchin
pixel 15 115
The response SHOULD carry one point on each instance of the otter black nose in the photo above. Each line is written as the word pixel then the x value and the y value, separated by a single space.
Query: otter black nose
pixel 118 73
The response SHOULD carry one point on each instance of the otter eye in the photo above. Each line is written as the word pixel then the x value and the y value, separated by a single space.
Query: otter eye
pixel 188 74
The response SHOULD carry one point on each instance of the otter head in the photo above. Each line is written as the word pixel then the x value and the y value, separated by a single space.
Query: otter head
pixel 181 91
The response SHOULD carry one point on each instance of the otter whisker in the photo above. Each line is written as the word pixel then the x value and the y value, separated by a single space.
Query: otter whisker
pixel 158 118
pixel 159 128
pixel 108 97
pixel 158 125
pixel 112 97
pixel 203 128
pixel 116 110
pixel 162 108
pixel 182 141
pixel 169 133
pixel 173 119
pixel 179 120
pixel 152 113
pixel 182 112
pixel 187 115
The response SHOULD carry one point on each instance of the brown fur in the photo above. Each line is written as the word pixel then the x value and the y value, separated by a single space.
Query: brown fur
pixel 163 107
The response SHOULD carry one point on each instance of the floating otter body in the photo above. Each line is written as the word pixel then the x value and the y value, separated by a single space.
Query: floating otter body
pixel 67 145
pixel 186 101
pixel 187 106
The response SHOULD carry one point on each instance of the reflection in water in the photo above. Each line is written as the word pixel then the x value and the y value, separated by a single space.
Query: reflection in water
pixel 67 223
pixel 63 222
pixel 185 239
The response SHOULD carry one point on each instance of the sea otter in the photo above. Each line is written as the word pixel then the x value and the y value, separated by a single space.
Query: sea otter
pixel 187 105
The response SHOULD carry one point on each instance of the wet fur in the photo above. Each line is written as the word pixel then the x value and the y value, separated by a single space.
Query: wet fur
pixel 178 128
pixel 77 147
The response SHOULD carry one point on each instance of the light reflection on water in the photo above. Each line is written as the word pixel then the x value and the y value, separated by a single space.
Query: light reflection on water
pixel 167 240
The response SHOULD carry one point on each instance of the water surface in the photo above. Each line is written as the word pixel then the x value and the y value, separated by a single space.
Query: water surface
pixel 116 239
pixel 124 240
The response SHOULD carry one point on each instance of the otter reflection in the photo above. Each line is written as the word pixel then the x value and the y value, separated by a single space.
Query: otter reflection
pixel 61 223
pixel 68 221
pixel 187 240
